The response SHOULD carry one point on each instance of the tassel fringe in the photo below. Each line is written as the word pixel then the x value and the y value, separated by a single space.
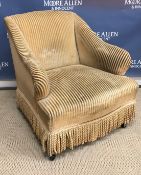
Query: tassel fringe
pixel 57 142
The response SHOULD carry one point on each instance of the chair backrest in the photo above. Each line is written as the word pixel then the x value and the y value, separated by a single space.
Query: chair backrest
pixel 50 35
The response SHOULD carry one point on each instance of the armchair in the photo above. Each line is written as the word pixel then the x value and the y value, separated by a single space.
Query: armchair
pixel 69 81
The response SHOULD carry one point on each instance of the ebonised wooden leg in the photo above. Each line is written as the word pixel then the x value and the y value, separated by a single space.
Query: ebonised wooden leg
pixel 51 158
pixel 123 125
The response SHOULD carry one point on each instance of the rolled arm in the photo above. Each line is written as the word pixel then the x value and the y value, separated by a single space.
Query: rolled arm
pixel 102 55
pixel 40 79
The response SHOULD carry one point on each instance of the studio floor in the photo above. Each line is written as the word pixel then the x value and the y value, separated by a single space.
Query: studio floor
pixel 119 153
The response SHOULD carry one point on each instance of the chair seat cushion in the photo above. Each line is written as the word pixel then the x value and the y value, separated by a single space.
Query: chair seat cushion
pixel 79 94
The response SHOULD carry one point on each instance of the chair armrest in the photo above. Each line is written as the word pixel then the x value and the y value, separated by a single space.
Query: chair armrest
pixel 102 55
pixel 40 80
pixel 36 70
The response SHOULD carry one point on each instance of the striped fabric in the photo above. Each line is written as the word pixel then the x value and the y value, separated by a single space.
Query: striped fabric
pixel 77 96
pixel 80 93
pixel 50 36
pixel 97 53
pixel 41 84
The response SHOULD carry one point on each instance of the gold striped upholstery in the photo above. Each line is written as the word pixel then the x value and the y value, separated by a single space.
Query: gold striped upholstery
pixel 41 85
pixel 75 96
pixel 96 53
pixel 52 39
pixel 78 94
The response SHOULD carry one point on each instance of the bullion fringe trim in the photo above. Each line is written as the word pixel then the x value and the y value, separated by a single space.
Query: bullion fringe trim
pixel 57 142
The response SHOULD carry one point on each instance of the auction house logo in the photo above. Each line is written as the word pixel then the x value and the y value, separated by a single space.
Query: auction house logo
pixel 3 65
pixel 133 4
pixel 62 4
pixel 136 64
pixel 106 36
